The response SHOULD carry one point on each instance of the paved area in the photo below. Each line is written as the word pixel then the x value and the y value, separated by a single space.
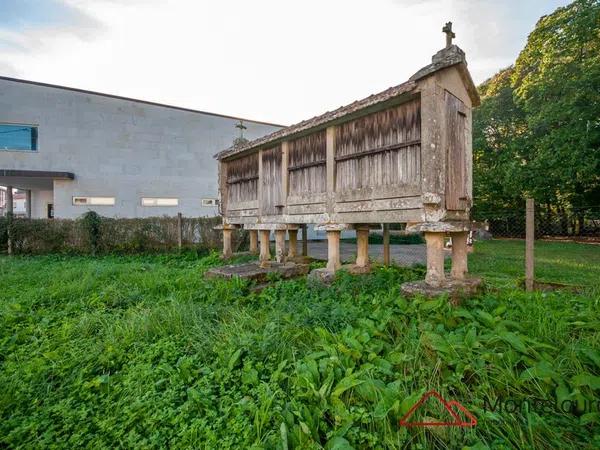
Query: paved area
pixel 402 255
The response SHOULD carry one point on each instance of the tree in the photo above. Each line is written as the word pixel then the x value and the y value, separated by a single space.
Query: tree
pixel 537 132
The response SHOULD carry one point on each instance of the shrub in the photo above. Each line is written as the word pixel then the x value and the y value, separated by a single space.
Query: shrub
pixel 93 234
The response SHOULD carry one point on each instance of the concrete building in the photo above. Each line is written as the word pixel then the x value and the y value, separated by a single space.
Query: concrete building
pixel 72 151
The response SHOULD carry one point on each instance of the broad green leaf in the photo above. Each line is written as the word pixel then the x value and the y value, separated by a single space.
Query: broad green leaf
pixel 346 383
pixel 586 379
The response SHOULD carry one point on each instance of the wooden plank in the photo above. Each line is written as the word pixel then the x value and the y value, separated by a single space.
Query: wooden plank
pixel 375 151
pixel 307 165
pixel 284 172
pixel 331 167
pixel 271 181
pixel 456 189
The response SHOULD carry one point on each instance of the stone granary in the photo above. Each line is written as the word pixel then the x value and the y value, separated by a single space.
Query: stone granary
pixel 401 156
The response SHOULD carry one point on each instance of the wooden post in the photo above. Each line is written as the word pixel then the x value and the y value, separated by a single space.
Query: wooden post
pixel 386 244
pixel 28 203
pixel 280 246
pixel 529 239
pixel 304 240
pixel 179 231
pixel 253 241
pixel 333 250
pixel 362 247
pixel 293 243
pixel 9 218
pixel 459 255
pixel 265 252
pixel 435 259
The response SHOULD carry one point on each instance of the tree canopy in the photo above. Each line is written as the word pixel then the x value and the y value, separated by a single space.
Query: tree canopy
pixel 537 131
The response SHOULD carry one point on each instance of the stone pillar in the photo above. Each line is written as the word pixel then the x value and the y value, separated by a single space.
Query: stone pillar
pixel 459 255
pixel 28 203
pixel 362 247
pixel 265 252
pixel 227 250
pixel 435 258
pixel 280 246
pixel 333 250
pixel 253 241
pixel 293 243
pixel 304 240
pixel 9 200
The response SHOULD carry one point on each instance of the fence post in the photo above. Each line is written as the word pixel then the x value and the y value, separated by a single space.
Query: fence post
pixel 304 240
pixel 529 239
pixel 386 244
pixel 9 218
pixel 179 231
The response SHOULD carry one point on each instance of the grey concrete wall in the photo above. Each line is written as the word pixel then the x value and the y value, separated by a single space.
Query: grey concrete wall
pixel 118 148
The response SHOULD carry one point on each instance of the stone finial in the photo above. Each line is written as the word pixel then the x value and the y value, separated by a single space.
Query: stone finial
pixel 239 141
pixel 449 34
pixel 240 126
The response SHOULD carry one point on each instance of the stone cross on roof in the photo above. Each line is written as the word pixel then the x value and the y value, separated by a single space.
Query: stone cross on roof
pixel 240 125
pixel 449 34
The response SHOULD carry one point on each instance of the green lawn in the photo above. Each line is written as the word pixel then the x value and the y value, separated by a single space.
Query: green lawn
pixel 140 351
pixel 501 262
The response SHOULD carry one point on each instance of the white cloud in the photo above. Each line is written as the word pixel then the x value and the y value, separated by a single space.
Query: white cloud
pixel 265 59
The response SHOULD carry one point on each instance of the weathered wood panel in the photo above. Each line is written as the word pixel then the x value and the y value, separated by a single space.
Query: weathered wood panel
pixel 307 172
pixel 456 153
pixel 272 198
pixel 381 149
pixel 242 179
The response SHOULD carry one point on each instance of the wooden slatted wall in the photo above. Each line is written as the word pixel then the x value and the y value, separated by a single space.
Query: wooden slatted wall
pixel 456 158
pixel 272 195
pixel 242 179
pixel 381 149
pixel 307 158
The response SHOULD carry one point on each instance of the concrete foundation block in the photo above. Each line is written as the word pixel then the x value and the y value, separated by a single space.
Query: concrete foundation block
pixel 454 289
pixel 322 276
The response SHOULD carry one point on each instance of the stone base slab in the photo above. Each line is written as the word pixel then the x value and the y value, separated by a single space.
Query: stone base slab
pixel 253 271
pixel 356 270
pixel 455 289
pixel 321 276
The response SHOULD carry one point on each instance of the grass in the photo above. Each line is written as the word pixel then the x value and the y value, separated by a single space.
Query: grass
pixel 140 351
pixel 501 262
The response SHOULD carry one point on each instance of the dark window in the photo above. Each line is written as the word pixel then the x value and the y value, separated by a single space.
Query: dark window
pixel 50 211
pixel 18 137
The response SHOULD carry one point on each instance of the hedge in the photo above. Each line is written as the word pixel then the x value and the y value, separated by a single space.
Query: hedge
pixel 92 234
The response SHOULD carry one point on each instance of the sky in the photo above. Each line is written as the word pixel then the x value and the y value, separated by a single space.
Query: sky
pixel 278 61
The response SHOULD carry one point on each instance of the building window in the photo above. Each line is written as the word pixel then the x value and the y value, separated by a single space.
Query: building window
pixel 156 201
pixel 18 137
pixel 94 201
pixel 210 202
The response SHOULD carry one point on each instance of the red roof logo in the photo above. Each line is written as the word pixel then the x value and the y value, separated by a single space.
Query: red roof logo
pixel 453 407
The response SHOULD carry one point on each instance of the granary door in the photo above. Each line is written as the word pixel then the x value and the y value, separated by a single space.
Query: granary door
pixel 456 153
pixel 272 196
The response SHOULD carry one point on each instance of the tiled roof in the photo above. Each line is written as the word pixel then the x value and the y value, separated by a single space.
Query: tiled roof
pixel 447 57
pixel 323 119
